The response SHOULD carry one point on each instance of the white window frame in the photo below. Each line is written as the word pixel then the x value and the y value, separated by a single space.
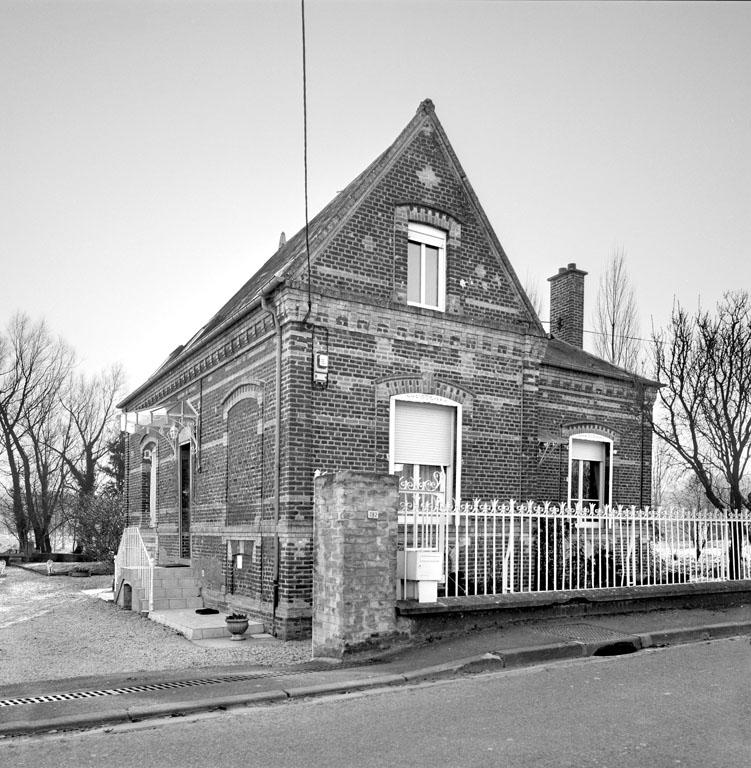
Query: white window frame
pixel 418 397
pixel 425 235
pixel 594 438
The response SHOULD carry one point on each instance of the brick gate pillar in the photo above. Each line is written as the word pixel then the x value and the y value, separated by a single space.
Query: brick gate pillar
pixel 354 579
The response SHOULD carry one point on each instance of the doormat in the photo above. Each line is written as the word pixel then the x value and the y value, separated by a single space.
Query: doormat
pixel 206 611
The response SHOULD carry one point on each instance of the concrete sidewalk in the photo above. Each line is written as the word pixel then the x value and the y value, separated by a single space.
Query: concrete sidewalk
pixel 91 702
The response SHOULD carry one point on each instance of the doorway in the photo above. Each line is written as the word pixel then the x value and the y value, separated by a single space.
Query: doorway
pixel 185 499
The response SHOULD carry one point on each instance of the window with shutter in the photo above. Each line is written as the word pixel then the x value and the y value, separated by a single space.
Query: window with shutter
pixel 425 443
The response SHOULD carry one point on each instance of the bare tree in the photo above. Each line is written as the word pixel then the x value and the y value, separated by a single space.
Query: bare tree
pixel 532 289
pixel 90 405
pixel 616 321
pixel 667 470
pixel 705 362
pixel 33 368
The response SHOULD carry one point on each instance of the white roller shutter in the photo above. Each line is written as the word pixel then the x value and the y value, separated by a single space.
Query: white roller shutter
pixel 589 450
pixel 424 433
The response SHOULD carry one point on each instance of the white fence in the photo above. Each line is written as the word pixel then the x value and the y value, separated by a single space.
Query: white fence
pixel 133 559
pixel 491 548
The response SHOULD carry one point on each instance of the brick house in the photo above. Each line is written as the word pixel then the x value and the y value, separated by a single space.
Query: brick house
pixel 403 344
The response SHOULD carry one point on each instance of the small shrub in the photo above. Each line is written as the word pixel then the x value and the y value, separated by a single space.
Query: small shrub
pixel 100 521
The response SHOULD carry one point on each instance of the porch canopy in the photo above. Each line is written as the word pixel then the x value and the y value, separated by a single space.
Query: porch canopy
pixel 168 418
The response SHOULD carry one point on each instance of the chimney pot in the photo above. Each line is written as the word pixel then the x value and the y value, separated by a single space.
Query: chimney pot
pixel 571 265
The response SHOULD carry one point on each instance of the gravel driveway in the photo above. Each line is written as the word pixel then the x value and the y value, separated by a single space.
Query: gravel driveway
pixel 50 630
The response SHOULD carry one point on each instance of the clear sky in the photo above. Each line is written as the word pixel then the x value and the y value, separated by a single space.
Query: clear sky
pixel 151 152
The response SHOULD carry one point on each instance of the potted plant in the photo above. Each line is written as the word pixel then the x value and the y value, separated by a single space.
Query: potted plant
pixel 237 624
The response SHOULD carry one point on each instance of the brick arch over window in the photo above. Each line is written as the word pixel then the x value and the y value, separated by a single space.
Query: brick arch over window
pixel 426 384
pixel 253 390
pixel 433 217
pixel 150 436
pixel 590 427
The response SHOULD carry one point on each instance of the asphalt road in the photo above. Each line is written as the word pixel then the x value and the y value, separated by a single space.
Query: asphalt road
pixel 681 706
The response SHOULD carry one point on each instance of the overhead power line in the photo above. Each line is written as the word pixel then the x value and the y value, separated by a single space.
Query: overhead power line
pixel 305 155
pixel 607 335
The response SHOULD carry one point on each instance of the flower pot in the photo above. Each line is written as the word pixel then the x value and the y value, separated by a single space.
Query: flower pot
pixel 237 628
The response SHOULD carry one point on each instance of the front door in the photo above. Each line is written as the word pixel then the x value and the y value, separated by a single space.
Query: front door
pixel 185 498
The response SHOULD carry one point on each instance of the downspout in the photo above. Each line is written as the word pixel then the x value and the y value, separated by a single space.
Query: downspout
pixel 560 463
pixel 126 479
pixel 641 463
pixel 521 438
pixel 277 460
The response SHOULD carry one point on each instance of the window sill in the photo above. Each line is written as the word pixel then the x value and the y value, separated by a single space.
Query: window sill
pixel 426 306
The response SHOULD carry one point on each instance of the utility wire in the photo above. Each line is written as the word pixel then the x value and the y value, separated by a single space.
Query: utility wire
pixel 604 333
pixel 305 156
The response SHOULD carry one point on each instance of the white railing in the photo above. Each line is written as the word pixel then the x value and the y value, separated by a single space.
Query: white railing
pixel 493 548
pixel 422 512
pixel 132 555
pixel 422 524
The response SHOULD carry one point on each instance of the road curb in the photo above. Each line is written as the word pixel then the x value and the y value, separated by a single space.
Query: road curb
pixel 204 705
pixel 680 635
pixel 537 654
pixel 71 722
pixel 343 687
pixel 508 658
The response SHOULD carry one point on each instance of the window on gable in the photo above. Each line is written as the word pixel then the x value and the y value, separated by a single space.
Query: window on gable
pixel 426 267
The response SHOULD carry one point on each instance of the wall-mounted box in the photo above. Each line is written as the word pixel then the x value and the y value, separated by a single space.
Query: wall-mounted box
pixel 420 565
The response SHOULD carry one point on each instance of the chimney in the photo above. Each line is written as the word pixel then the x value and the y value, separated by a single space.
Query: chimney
pixel 567 305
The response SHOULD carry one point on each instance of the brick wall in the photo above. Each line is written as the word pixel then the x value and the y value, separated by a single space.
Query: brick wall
pixel 483 353
pixel 244 462
pixel 570 402
pixel 354 587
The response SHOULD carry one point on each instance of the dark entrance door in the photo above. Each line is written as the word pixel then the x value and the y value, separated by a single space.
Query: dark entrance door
pixel 185 500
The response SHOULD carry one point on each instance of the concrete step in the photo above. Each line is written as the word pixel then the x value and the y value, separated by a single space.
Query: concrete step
pixel 168 578
pixel 174 603
pixel 176 590
pixel 195 626
pixel 171 575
